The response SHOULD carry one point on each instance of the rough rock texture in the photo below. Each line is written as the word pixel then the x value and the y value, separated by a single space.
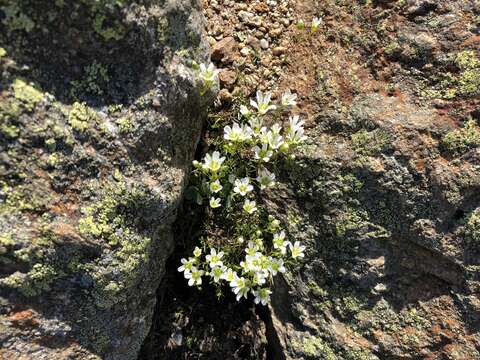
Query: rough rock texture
pixel 386 193
pixel 99 118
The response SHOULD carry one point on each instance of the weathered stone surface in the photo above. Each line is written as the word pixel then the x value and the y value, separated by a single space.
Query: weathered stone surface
pixel 99 118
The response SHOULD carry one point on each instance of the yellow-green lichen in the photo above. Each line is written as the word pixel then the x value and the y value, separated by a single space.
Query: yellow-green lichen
pixel 315 347
pixel 461 140
pixel 33 283
pixel 370 143
pixel 26 93
pixel 81 117
pixel 469 80
pixel 110 221
pixel 3 52
pixel 125 125
pixel 472 227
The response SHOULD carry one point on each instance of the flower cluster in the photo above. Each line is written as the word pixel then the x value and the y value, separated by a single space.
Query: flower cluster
pixel 254 249
pixel 316 22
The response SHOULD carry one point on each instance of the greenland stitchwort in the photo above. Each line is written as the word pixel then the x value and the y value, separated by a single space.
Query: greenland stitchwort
pixel 244 247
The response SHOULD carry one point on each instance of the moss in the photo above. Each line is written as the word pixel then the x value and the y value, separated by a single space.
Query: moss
pixel 27 94
pixel 350 220
pixel 15 19
pixel 115 32
pixel 459 141
pixel 81 117
pixel 94 81
pixel 472 227
pixel 370 143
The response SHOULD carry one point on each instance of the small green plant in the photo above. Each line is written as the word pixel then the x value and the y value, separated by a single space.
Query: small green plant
pixel 244 247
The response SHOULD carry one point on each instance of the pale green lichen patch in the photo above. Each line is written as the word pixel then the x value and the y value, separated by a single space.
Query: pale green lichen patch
pixel 111 221
pixel 472 227
pixel 36 281
pixel 26 93
pixel 461 140
pixel 465 83
pixel 370 143
pixel 315 347
pixel 81 117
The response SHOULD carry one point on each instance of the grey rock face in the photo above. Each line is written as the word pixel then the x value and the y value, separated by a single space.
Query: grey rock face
pixel 100 115
pixel 385 218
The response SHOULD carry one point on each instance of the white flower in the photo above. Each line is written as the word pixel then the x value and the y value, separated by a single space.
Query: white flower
pixel 215 202
pixel 215 186
pixel 195 277
pixel 197 252
pixel 256 123
pixel 208 73
pixel 187 265
pixel 276 266
pixel 251 249
pixel 264 154
pixel 295 132
pixel 243 186
pixel 276 128
pixel 265 178
pixel 279 242
pixel 217 273
pixel 275 140
pixel 260 277
pixel 297 250
pixel 237 132
pixel 251 263
pixel 241 287
pixel 315 23
pixel 245 111
pixel 288 99
pixel 262 295
pixel 213 162
pixel 229 275
pixel 263 103
pixel 214 259
pixel 249 206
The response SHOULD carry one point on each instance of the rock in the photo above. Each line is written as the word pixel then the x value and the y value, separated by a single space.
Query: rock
pixel 394 224
pixel 95 171
pixel 224 50
pixel 279 50
pixel 264 44
pixel 225 96
pixel 227 78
